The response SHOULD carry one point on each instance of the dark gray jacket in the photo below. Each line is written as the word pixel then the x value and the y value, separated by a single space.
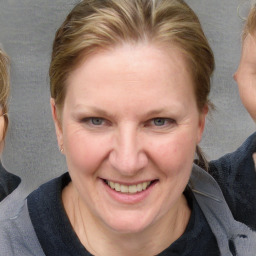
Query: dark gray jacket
pixel 18 238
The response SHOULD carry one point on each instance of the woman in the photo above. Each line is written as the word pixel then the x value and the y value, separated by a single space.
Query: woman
pixel 8 181
pixel 129 86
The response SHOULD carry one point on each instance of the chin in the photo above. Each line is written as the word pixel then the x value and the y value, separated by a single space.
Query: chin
pixel 129 224
pixel 252 114
pixel 253 117
pixel 128 228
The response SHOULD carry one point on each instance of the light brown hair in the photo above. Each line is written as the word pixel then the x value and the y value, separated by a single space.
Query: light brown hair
pixel 4 87
pixel 97 24
pixel 101 24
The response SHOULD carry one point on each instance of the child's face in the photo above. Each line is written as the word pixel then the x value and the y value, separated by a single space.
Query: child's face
pixel 245 75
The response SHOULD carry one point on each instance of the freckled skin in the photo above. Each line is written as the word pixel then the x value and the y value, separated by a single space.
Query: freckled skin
pixel 128 87
pixel 245 75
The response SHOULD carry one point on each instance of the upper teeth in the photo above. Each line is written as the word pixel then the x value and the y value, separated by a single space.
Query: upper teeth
pixel 128 188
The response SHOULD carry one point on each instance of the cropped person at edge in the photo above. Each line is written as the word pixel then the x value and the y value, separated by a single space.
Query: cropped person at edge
pixel 240 185
pixel 129 84
pixel 8 181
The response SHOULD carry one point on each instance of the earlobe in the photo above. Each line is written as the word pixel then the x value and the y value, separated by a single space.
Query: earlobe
pixel 57 124
pixel 201 124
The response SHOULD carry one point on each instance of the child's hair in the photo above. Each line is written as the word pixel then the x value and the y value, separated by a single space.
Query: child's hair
pixel 250 24
pixel 4 87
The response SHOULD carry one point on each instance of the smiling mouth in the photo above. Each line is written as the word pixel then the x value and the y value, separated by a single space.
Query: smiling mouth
pixel 129 189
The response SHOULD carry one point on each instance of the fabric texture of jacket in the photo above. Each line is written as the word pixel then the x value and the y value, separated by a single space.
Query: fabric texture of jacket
pixel 18 237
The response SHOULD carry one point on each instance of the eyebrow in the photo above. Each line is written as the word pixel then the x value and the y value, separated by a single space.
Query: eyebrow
pixel 158 112
pixel 102 112
pixel 95 110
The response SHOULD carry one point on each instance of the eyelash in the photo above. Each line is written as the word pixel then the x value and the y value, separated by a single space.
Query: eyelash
pixel 167 122
pixel 92 121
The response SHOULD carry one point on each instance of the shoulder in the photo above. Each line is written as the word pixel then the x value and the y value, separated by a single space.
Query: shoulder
pixel 49 192
pixel 17 235
pixel 218 214
pixel 239 158
pixel 48 216
pixel 235 174
pixel 8 182
pixel 12 204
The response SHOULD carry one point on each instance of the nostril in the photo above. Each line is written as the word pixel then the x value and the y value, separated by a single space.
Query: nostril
pixel 128 162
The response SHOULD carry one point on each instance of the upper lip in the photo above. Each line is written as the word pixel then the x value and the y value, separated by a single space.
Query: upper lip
pixel 130 183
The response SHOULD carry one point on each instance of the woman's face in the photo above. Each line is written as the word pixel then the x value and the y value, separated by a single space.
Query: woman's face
pixel 130 122
pixel 245 75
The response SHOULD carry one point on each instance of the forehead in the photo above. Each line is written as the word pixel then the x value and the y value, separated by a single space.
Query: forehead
pixel 128 58
pixel 133 70
pixel 248 57
pixel 249 41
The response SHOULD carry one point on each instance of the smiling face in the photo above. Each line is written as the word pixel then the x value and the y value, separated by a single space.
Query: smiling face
pixel 129 129
pixel 245 75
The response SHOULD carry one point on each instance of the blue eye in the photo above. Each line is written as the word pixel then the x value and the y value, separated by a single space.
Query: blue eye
pixel 96 121
pixel 159 121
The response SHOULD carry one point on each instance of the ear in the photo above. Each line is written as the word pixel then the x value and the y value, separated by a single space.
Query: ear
pixel 57 123
pixel 201 123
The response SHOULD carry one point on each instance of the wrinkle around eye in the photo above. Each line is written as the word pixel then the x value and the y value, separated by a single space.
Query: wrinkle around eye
pixel 161 123
pixel 95 122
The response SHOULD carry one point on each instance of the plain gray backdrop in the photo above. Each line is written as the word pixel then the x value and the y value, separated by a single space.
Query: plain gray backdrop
pixel 27 29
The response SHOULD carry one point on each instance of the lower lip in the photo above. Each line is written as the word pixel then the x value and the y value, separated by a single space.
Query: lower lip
pixel 129 198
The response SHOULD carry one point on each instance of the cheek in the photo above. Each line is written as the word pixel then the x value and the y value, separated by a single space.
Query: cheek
pixel 84 153
pixel 247 91
pixel 175 154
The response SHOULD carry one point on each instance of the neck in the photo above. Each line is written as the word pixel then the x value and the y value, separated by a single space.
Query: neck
pixel 99 239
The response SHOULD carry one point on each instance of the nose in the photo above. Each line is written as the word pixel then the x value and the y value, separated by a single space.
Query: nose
pixel 235 76
pixel 128 156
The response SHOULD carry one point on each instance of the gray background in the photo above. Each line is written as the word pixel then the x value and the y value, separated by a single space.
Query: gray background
pixel 27 29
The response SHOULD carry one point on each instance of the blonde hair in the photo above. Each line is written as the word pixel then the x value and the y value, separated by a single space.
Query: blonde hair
pixel 97 24
pixel 101 24
pixel 4 87
pixel 250 24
